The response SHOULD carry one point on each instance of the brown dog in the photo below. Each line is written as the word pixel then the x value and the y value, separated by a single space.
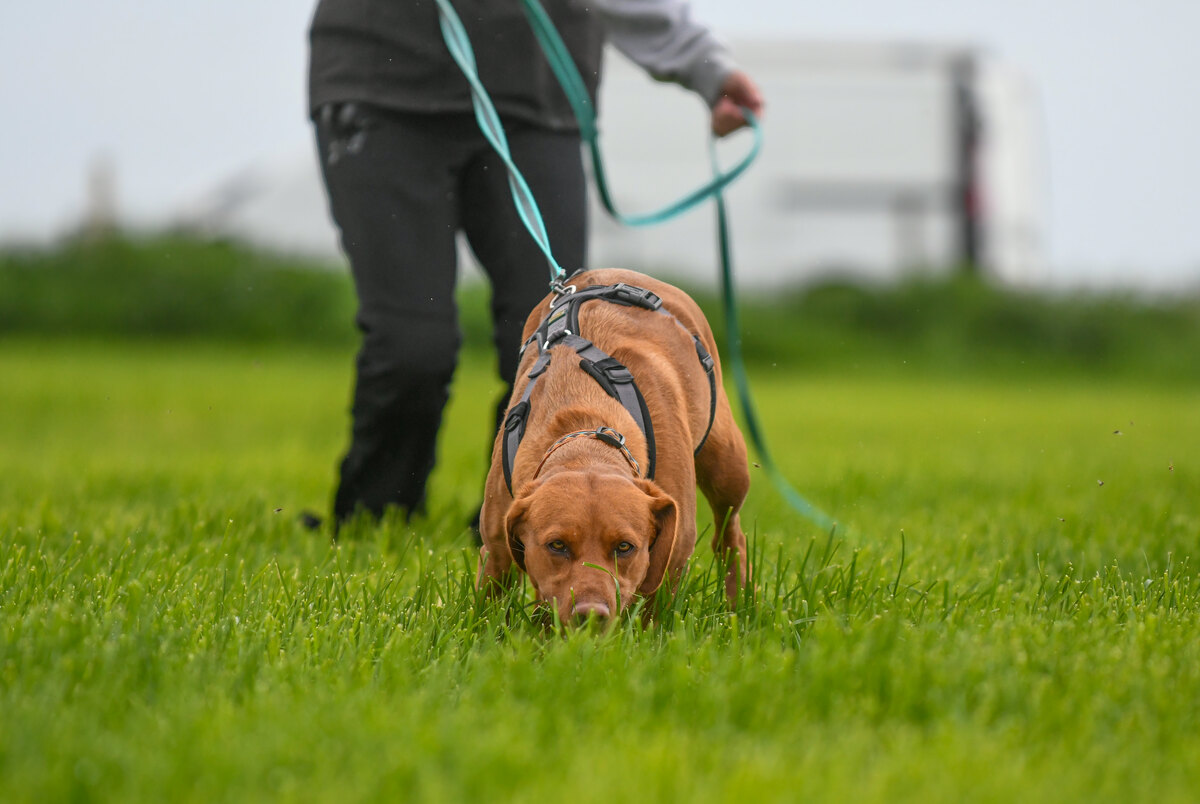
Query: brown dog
pixel 586 523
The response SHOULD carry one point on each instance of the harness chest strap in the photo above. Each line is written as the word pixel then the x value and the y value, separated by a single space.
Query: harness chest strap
pixel 560 327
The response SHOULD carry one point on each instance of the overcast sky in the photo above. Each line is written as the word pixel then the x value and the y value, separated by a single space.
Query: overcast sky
pixel 180 95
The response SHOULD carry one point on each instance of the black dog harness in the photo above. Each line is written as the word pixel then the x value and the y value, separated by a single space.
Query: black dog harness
pixel 561 328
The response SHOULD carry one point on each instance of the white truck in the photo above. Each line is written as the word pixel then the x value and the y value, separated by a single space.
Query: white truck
pixel 879 160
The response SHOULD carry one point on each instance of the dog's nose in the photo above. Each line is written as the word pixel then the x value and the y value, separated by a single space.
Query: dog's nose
pixel 598 610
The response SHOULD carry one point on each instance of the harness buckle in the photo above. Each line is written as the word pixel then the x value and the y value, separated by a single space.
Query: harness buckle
pixel 615 371
pixel 618 375
pixel 609 373
pixel 610 436
pixel 638 297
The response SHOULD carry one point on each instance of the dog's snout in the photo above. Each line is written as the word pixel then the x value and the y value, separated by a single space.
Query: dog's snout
pixel 583 611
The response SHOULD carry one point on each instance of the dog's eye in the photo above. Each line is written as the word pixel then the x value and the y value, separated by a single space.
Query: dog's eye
pixel 624 549
pixel 558 546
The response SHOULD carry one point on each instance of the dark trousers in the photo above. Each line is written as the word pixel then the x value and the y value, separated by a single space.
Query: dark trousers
pixel 400 187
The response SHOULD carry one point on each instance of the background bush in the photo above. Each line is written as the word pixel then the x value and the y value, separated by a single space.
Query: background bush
pixel 173 287
pixel 179 288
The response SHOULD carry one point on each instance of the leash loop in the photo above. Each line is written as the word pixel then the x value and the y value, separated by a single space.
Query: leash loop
pixel 564 69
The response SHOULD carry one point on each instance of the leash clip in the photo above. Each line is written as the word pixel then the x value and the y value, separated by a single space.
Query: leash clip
pixel 559 290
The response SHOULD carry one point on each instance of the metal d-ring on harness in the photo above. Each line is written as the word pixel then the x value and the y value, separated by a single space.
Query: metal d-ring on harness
pixel 561 328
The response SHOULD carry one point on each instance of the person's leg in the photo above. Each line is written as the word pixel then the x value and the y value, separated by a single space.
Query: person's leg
pixel 392 189
pixel 553 167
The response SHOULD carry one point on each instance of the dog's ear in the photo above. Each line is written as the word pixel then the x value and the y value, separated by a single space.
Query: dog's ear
pixel 513 522
pixel 666 518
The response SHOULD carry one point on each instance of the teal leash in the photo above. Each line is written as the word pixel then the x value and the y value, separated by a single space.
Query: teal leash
pixel 489 123
pixel 734 357
pixel 564 69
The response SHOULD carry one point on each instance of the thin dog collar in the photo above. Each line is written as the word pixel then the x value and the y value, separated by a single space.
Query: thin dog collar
pixel 606 434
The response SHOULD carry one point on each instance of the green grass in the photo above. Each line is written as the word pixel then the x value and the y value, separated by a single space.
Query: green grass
pixel 991 623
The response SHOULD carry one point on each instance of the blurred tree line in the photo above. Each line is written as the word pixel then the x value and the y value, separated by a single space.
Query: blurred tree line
pixel 178 288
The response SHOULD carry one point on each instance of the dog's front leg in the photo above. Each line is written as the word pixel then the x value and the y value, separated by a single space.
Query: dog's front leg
pixel 497 572
pixel 724 477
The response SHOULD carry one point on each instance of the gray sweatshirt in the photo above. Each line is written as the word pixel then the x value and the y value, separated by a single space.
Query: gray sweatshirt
pixel 661 37
pixel 390 53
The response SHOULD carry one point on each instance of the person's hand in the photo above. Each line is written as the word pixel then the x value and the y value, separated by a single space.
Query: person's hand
pixel 737 91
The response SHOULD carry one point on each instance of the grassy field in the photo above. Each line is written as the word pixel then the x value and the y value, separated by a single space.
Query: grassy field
pixel 1009 610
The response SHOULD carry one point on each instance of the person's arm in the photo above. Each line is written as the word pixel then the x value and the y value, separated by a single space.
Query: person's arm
pixel 661 37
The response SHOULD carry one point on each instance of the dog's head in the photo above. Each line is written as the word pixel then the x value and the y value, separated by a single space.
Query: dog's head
pixel 579 536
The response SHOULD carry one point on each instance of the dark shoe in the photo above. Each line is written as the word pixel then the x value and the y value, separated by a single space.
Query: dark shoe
pixel 310 521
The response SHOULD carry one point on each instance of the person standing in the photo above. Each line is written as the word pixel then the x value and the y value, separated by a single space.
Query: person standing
pixel 406 168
